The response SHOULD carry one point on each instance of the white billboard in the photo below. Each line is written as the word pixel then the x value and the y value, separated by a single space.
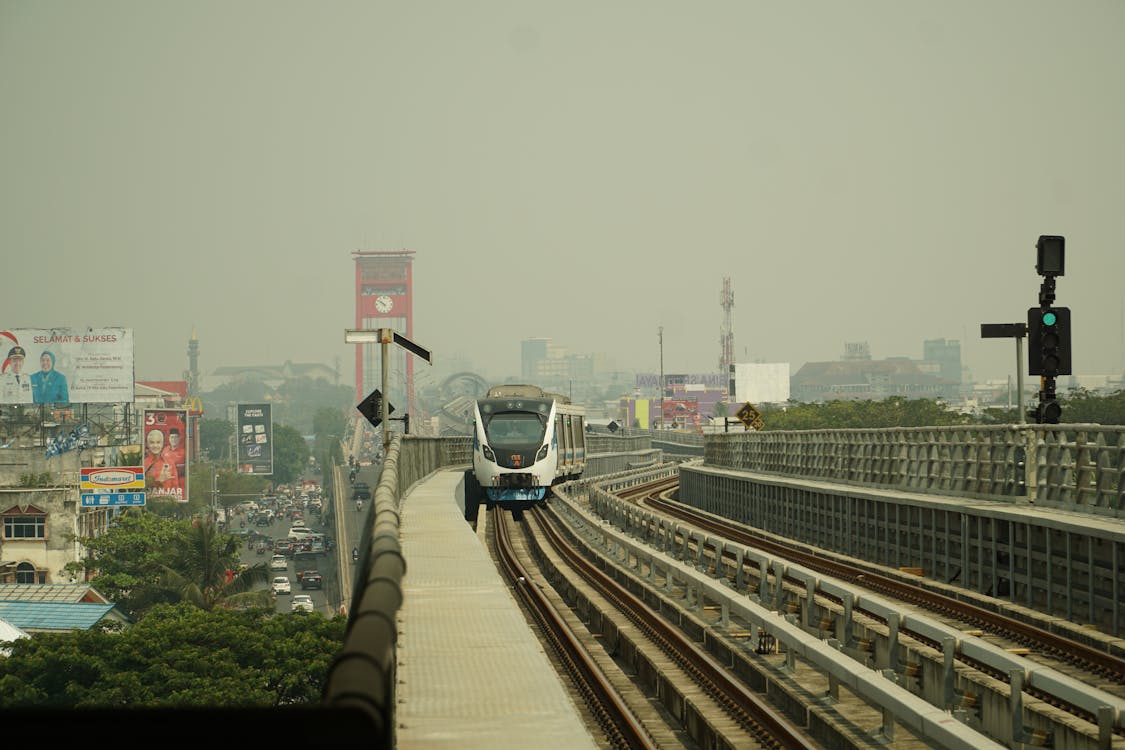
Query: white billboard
pixel 761 383
pixel 66 365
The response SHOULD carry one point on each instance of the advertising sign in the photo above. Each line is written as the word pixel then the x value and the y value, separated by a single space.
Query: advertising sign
pixel 116 478
pixel 66 365
pixel 254 434
pixel 761 383
pixel 165 466
pixel 111 499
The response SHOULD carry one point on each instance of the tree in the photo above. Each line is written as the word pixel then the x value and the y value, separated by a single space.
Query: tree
pixel 206 572
pixel 1082 406
pixel 125 563
pixel 329 423
pixel 290 454
pixel 214 438
pixel 144 559
pixel 177 656
pixel 895 411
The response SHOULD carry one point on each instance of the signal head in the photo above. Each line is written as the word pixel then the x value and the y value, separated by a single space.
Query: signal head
pixel 1051 255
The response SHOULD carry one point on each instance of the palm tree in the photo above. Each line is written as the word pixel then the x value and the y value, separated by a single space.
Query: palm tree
pixel 209 576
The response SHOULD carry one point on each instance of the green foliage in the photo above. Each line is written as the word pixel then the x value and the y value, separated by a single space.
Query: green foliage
pixel 144 559
pixel 290 454
pixel 130 457
pixel 1084 407
pixel 127 560
pixel 329 423
pixel 214 438
pixel 177 656
pixel 841 414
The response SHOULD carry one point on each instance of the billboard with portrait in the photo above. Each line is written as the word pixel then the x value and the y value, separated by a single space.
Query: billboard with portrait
pixel 164 432
pixel 66 365
pixel 254 436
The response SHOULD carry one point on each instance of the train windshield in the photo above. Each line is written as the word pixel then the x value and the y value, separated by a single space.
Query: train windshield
pixel 516 429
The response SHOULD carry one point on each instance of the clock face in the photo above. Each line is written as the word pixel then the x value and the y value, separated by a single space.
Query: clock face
pixel 383 303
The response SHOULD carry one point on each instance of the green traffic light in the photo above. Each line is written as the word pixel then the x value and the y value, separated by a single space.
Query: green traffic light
pixel 1049 318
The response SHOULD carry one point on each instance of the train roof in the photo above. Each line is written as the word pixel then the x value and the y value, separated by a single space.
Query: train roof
pixel 523 390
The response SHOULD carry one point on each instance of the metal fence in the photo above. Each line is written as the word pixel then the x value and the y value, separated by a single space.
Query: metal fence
pixel 1078 467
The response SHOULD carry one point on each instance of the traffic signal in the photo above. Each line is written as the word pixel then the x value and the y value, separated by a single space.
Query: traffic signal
pixel 1048 341
pixel 1048 412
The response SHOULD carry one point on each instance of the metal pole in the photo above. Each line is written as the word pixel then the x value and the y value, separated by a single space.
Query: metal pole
pixel 661 337
pixel 385 335
pixel 1019 380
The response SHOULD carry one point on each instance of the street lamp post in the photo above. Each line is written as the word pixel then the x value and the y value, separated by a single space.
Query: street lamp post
pixel 384 337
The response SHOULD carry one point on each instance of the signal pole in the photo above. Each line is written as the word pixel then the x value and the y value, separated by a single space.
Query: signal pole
pixel 1010 331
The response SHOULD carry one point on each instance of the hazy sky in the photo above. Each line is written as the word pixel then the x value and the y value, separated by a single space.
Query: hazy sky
pixel 585 171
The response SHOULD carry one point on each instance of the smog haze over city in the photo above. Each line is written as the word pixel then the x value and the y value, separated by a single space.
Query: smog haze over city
pixel 588 172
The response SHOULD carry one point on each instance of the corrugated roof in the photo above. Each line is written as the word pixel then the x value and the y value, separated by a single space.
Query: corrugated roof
pixel 50 592
pixel 30 616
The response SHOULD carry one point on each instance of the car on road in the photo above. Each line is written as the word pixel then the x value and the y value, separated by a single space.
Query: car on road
pixel 361 491
pixel 281 585
pixel 312 580
pixel 301 602
pixel 279 562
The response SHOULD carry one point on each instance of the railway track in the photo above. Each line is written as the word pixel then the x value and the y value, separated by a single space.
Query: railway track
pixel 680 694
pixel 1099 664
pixel 1083 664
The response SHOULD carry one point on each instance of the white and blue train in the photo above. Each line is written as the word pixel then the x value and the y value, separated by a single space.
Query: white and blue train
pixel 524 440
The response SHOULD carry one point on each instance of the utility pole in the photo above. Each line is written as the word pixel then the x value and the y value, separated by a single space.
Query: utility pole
pixel 660 335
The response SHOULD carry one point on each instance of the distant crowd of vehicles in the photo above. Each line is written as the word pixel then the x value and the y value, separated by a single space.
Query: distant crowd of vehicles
pixel 525 440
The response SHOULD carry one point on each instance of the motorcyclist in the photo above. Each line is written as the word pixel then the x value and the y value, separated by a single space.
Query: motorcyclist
pixel 359 505
pixel 355 554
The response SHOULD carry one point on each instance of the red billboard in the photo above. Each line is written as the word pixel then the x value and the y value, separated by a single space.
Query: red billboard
pixel 165 463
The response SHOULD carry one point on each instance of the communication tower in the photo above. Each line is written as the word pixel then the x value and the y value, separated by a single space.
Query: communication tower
pixel 191 375
pixel 726 335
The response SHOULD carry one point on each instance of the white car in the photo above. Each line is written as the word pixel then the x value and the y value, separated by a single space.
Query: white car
pixel 281 585
pixel 301 602
pixel 279 562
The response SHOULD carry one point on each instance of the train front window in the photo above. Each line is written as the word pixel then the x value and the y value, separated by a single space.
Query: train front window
pixel 515 430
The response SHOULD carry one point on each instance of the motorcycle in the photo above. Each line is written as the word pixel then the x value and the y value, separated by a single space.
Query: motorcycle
pixel 355 554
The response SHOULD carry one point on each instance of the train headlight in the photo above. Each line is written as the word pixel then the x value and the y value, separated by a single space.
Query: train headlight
pixel 542 453
pixel 488 453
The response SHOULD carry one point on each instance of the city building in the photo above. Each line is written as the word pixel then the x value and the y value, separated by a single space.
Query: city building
pixel 859 377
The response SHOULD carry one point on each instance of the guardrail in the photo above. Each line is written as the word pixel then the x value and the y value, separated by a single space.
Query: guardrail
pixel 361 678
